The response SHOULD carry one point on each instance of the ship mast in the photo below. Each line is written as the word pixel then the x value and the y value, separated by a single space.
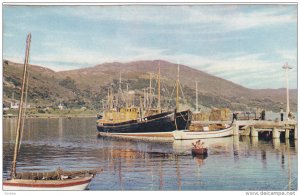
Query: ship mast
pixel 120 82
pixel 150 92
pixel 286 67
pixel 121 96
pixel 18 129
pixel 158 89
pixel 177 88
pixel 108 99
pixel 196 96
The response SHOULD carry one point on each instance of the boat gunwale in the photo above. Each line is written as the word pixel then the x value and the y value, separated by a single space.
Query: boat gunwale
pixel 48 183
pixel 129 122
pixel 126 123
pixel 208 132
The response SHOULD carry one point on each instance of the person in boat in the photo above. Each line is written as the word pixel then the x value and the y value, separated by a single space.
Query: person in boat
pixel 198 144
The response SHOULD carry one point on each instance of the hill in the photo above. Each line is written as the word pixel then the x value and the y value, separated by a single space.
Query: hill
pixel 88 86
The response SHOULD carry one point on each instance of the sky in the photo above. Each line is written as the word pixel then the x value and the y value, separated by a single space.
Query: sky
pixel 244 43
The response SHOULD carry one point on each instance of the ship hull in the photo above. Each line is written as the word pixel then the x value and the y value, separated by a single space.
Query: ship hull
pixel 155 125
pixel 49 185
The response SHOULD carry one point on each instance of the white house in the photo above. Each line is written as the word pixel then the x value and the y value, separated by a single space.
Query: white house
pixel 61 107
pixel 14 105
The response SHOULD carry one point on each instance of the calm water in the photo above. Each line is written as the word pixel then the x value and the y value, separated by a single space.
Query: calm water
pixel 233 163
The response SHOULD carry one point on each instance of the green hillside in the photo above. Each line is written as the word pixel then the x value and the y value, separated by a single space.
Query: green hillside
pixel 88 86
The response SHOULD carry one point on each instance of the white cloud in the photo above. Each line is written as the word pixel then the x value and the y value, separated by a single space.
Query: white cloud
pixel 6 34
pixel 249 70
pixel 66 54
pixel 288 55
pixel 219 18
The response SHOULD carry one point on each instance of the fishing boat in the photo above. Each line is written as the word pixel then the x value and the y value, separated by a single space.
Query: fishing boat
pixel 143 121
pixel 157 125
pixel 188 135
pixel 56 180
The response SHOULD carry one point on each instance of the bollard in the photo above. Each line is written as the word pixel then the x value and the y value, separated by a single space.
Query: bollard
pixel 254 133
pixel 275 133
pixel 276 143
pixel 296 132
pixel 235 128
pixel 254 141
pixel 287 133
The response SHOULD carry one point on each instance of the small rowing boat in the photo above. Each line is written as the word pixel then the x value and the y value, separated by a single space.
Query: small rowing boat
pixel 198 148
pixel 200 151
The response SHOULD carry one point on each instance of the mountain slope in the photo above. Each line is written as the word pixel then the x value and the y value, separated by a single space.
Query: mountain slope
pixel 88 86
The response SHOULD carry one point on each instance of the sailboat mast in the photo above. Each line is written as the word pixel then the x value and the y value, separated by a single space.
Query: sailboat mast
pixel 150 91
pixel 196 96
pixel 158 89
pixel 120 81
pixel 177 88
pixel 108 99
pixel 18 130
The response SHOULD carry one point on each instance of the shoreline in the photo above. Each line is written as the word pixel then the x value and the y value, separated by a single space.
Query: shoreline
pixel 53 116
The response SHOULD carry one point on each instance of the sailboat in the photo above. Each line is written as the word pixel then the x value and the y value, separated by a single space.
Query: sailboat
pixel 56 180
pixel 138 121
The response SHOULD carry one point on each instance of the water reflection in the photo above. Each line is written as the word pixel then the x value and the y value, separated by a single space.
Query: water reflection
pixel 199 159
pixel 233 163
pixel 178 174
pixel 276 143
pixel 236 147
pixel 215 145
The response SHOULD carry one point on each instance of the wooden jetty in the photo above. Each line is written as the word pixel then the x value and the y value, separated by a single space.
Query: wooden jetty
pixel 240 127
pixel 253 127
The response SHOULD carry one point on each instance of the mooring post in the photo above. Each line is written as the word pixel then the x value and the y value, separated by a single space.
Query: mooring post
pixel 236 142
pixel 275 133
pixel 254 141
pixel 296 132
pixel 235 128
pixel 276 143
pixel 254 133
pixel 287 133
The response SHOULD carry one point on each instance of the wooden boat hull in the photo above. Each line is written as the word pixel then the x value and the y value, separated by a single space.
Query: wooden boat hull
pixel 186 135
pixel 200 151
pixel 156 125
pixel 68 184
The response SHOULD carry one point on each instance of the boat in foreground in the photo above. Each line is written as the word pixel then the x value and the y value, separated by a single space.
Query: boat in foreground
pixel 189 135
pixel 58 180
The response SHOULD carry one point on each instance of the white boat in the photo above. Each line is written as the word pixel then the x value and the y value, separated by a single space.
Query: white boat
pixel 80 183
pixel 188 135
pixel 57 180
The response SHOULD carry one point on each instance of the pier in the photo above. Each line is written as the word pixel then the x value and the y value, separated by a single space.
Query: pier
pixel 253 127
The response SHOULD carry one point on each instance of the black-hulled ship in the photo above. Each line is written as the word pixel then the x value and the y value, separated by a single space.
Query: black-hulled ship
pixel 161 124
pixel 142 121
